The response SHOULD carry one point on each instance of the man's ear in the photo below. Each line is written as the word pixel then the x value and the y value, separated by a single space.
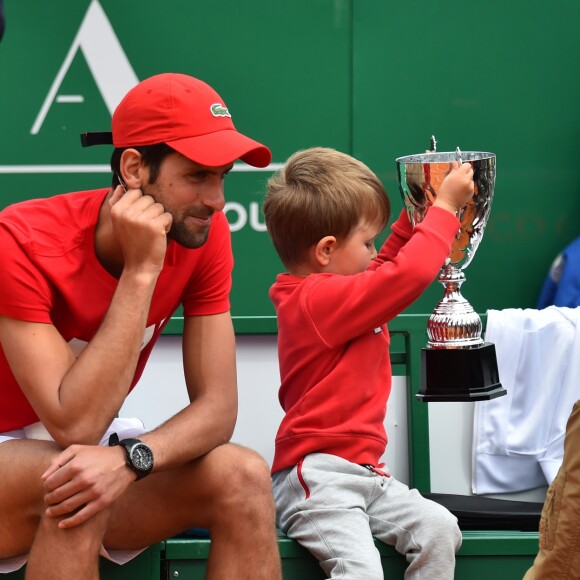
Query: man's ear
pixel 324 249
pixel 132 168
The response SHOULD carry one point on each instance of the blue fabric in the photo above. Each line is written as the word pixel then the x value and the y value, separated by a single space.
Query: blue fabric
pixel 562 285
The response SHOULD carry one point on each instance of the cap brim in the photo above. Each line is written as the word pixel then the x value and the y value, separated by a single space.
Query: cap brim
pixel 221 148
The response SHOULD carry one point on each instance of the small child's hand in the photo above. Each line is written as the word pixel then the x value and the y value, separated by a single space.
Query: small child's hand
pixel 457 188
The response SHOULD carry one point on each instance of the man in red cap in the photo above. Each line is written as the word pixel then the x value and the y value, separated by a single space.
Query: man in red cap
pixel 89 279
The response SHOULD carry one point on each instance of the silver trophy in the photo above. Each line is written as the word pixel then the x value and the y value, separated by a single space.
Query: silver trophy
pixel 457 364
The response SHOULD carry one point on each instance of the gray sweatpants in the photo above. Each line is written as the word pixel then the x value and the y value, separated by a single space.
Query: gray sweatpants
pixel 334 508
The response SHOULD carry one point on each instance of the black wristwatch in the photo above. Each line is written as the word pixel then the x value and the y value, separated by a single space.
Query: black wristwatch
pixel 139 455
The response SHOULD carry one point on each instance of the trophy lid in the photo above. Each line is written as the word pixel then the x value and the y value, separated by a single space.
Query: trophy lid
pixel 445 157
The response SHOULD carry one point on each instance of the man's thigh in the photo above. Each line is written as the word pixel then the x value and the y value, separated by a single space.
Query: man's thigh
pixel 197 494
pixel 22 462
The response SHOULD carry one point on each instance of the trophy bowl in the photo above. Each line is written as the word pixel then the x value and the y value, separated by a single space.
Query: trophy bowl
pixel 454 325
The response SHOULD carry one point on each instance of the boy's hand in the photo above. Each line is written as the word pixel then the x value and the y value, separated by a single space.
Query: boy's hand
pixel 457 188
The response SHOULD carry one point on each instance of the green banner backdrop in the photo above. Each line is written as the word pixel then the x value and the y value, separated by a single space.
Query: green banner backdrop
pixel 368 77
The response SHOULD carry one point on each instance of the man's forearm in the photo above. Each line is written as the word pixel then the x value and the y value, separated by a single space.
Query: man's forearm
pixel 209 353
pixel 95 386
pixel 191 433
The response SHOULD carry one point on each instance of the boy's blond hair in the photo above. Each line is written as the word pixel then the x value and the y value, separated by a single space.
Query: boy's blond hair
pixel 320 192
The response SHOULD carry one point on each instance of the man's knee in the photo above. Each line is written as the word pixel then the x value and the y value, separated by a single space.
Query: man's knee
pixel 252 469
pixel 245 481
pixel 86 538
pixel 238 462
pixel 247 471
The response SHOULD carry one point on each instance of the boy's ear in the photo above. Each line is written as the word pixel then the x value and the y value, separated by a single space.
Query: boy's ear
pixel 324 249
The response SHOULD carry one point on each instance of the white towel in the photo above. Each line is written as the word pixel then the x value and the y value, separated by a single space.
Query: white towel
pixel 518 439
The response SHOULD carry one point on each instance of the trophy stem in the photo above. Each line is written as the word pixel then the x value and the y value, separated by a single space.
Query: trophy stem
pixel 454 323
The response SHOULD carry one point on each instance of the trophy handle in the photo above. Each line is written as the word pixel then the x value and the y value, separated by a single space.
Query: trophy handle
pixel 454 323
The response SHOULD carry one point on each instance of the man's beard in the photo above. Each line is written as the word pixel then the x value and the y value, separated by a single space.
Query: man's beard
pixel 185 237
pixel 179 232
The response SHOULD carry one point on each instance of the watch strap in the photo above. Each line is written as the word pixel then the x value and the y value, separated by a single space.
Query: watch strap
pixel 128 444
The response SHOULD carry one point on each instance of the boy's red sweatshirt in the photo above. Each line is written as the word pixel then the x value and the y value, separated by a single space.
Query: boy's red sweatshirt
pixel 333 343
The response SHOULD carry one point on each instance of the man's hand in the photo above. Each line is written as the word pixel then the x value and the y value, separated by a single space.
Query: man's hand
pixel 83 480
pixel 140 225
pixel 457 188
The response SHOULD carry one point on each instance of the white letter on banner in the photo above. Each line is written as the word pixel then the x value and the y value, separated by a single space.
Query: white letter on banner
pixel 106 58
pixel 255 218
pixel 232 206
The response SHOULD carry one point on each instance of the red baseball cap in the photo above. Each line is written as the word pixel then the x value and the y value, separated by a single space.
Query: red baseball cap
pixel 184 113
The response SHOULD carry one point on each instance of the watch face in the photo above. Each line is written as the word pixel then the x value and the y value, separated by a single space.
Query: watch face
pixel 142 457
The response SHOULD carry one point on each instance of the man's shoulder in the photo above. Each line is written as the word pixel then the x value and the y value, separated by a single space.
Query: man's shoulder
pixel 53 217
pixel 56 202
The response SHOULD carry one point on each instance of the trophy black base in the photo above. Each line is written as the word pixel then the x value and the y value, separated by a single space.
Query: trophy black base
pixel 459 374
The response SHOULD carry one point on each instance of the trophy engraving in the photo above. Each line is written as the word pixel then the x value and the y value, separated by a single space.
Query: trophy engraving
pixel 454 325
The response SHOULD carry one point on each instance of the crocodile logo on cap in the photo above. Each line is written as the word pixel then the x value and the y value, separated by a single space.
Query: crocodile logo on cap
pixel 218 110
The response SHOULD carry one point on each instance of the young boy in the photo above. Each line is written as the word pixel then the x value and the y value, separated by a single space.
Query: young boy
pixel 324 211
